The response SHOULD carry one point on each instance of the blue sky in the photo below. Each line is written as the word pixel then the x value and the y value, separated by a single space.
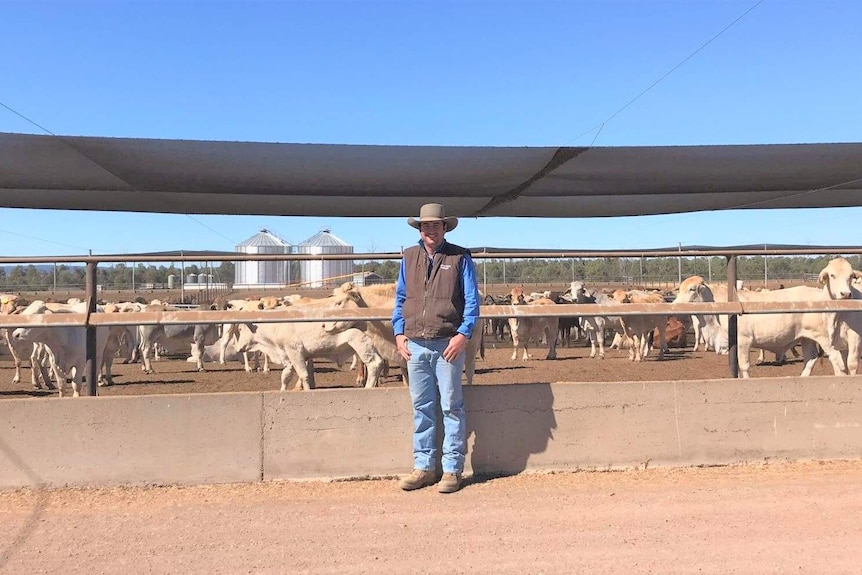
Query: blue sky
pixel 528 73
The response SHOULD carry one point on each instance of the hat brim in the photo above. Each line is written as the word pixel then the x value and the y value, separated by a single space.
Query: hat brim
pixel 450 221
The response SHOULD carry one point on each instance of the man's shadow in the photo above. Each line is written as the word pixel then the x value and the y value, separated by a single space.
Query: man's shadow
pixel 507 424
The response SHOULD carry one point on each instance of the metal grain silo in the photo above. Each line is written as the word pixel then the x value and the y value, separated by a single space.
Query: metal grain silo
pixel 262 273
pixel 325 273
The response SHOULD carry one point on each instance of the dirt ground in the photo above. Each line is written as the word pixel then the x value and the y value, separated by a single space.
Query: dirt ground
pixel 572 364
pixel 775 518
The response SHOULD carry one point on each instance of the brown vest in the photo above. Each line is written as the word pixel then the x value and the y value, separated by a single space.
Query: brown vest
pixel 434 306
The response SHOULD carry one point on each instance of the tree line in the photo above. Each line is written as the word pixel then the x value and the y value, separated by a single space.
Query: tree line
pixel 625 271
pixel 640 271
pixel 116 277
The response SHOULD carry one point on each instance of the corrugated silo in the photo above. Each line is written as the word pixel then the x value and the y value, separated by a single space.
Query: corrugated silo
pixel 325 273
pixel 265 273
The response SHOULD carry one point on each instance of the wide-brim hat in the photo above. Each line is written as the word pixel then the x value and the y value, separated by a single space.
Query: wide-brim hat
pixel 434 213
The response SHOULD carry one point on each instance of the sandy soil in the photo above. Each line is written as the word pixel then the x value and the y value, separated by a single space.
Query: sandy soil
pixel 573 364
pixel 776 518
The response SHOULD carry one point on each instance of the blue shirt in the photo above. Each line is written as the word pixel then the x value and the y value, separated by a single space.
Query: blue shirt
pixel 471 295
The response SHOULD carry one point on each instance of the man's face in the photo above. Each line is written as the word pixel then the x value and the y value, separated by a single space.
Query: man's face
pixel 432 234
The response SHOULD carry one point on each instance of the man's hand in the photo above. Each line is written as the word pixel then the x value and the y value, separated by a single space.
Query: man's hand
pixel 401 344
pixel 455 347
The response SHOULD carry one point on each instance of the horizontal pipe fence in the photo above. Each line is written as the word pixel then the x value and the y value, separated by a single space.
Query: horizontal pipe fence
pixel 384 314
pixel 732 308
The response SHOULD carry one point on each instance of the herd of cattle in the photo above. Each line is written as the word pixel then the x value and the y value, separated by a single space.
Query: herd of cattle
pixel 57 354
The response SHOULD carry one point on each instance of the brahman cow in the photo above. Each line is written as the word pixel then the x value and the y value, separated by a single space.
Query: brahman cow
pixel 68 344
pixel 778 332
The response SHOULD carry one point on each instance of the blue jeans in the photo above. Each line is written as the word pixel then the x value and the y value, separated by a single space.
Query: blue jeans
pixel 429 373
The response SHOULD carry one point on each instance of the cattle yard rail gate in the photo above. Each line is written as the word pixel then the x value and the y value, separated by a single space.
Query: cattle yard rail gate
pixel 90 320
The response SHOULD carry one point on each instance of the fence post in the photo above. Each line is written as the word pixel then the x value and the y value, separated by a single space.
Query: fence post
pixel 92 368
pixel 732 351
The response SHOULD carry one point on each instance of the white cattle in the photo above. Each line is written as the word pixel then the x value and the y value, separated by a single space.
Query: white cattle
pixel 129 338
pixel 706 326
pixel 11 304
pixel 68 344
pixel 199 335
pixel 349 296
pixel 850 333
pixel 118 337
pixel 712 328
pixel 777 332
pixel 42 365
pixel 230 331
pixel 293 344
pixel 594 326
pixel 688 289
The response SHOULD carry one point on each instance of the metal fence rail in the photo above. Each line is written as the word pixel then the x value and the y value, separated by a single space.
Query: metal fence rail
pixel 295 315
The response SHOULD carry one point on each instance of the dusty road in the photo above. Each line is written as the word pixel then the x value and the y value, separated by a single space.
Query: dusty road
pixel 776 518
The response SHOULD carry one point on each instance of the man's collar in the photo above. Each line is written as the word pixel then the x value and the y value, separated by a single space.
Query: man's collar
pixel 440 247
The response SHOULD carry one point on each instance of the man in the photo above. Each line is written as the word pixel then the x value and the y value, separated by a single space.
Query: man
pixel 436 309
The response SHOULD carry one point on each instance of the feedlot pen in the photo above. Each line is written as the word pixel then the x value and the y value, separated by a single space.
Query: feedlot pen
pixel 572 364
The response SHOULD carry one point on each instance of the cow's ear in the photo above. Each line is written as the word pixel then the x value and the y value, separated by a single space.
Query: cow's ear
pixel 823 277
pixel 856 275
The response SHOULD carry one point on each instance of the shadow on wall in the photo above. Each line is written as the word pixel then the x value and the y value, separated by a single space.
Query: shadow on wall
pixel 515 422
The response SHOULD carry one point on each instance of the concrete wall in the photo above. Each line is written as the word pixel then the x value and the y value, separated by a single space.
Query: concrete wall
pixel 242 437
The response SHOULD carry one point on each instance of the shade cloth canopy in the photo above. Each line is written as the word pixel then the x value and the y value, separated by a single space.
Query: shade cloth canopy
pixel 209 177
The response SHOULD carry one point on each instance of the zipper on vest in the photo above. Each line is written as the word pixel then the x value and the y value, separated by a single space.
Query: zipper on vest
pixel 429 263
pixel 424 309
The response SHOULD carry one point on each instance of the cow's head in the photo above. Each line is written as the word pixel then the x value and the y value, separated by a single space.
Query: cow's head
pixel 244 334
pixel 218 303
pixel 517 295
pixel 620 295
pixel 836 278
pixel 10 302
pixel 270 302
pixel 25 333
pixel 580 293
pixel 693 289
pixel 345 299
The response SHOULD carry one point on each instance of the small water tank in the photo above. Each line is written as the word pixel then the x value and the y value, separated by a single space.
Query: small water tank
pixel 172 279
